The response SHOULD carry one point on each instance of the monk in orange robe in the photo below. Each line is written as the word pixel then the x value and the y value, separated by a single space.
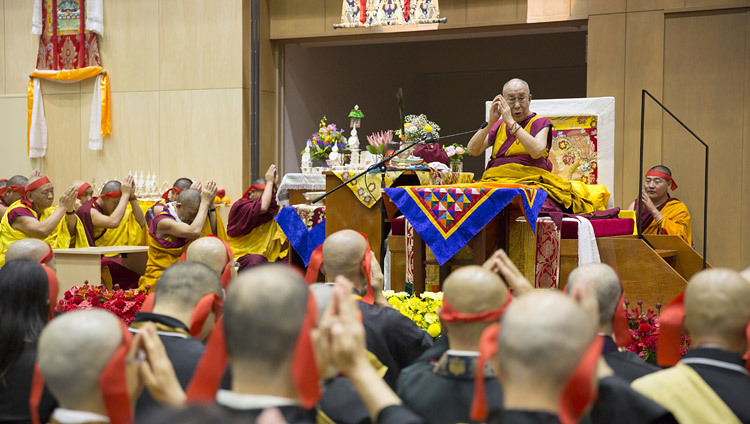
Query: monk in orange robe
pixel 169 235
pixel 13 191
pixel 213 224
pixel 661 213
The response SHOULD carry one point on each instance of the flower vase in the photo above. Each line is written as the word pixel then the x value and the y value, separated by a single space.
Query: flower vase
pixel 457 166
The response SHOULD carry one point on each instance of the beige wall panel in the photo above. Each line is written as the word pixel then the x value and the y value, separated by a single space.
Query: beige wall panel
pixel 134 143
pixel 606 77
pixel 745 230
pixel 644 5
pixel 711 3
pixel 62 163
pixel 267 53
pixel 547 10
pixel 200 136
pixel 297 18
pixel 268 151
pixel 245 151
pixel 674 4
pixel 606 6
pixel 455 11
pixel 200 44
pixel 494 11
pixel 2 47
pixel 15 159
pixel 644 64
pixel 579 7
pixel 721 39
pixel 130 48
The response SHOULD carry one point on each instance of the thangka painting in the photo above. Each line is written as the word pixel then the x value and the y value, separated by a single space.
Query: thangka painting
pixel 367 13
pixel 574 148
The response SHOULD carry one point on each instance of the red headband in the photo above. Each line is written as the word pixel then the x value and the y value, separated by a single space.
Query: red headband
pixel 316 260
pixel 206 304
pixel 113 194
pixel 449 314
pixel 212 365
pixel 112 384
pixel 581 390
pixel 664 176
pixel 35 185
pixel 52 283
pixel 148 304
pixel 17 188
pixel 620 323
pixel 670 331
pixel 487 349
pixel 254 187
pixel 82 188
pixel 165 196
pixel 746 356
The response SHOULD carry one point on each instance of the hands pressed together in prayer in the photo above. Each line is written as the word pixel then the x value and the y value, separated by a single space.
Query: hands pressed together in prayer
pixel 501 109
pixel 272 176
pixel 68 199
pixel 501 264
pixel 208 193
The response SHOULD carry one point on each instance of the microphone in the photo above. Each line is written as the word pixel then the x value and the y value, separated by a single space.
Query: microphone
pixel 484 125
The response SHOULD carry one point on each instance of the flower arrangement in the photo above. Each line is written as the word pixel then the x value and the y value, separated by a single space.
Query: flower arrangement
pixel 454 151
pixel 123 303
pixel 378 142
pixel 644 328
pixel 416 127
pixel 327 143
pixel 423 310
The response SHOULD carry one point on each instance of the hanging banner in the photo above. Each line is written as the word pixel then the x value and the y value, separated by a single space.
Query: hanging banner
pixel 373 13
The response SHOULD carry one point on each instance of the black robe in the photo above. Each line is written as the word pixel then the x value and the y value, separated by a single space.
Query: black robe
pixel 15 388
pixel 732 387
pixel 618 403
pixel 626 365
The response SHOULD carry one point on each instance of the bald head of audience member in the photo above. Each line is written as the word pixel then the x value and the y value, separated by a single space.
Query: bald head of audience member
pixel 745 273
pixel 471 290
pixel 263 315
pixel 343 253
pixel 717 309
pixel 209 251
pixel 11 196
pixel 180 288
pixel 187 205
pixel 607 287
pixel 30 248
pixel 542 338
pixel 73 350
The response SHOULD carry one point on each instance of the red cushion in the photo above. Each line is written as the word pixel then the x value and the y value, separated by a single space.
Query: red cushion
pixel 398 226
pixel 602 227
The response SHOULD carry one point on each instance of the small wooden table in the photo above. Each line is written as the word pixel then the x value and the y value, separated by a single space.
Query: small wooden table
pixel 74 266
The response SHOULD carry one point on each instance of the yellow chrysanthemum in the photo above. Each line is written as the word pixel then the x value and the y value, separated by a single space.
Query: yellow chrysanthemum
pixel 431 317
pixel 413 302
pixel 428 128
pixel 434 330
pixel 395 302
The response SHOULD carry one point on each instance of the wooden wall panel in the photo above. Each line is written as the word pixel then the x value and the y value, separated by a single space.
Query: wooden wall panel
pixel 579 7
pixel 696 91
pixel 2 47
pixel 20 45
pixel 130 46
pixel 268 150
pixel 200 133
pixel 13 115
pixel 133 145
pixel 745 219
pixel 644 64
pixel 62 163
pixel 645 5
pixel 494 12
pixel 607 6
pixel 200 44
pixel 606 77
pixel 548 10
pixel 455 11
pixel 297 18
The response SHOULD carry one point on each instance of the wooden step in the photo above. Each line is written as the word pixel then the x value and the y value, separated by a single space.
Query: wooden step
pixel 666 253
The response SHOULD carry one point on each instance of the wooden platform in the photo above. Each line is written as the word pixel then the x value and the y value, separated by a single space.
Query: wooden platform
pixel 652 276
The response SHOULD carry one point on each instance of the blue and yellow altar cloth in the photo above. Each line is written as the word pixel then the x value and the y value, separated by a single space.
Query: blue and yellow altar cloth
pixel 446 217
pixel 304 234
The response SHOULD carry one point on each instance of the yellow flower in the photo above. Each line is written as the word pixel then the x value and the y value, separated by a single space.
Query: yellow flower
pixel 414 302
pixel 395 302
pixel 431 317
pixel 434 330
pixel 428 128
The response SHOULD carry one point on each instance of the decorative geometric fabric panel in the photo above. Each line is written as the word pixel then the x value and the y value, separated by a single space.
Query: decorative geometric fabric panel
pixel 574 148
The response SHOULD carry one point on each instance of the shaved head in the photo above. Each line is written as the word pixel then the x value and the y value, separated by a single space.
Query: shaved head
pixel 471 289
pixel 263 315
pixel 188 203
pixel 3 183
pixel 183 183
pixel 18 180
pixel 542 338
pixel 717 308
pixel 183 284
pixel 662 168
pixel 606 285
pixel 209 251
pixel 516 83
pixel 343 253
pixel 111 186
pixel 73 350
pixel 28 248
pixel 32 180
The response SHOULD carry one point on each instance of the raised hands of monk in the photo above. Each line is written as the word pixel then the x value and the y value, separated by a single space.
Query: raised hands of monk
pixel 127 187
pixel 68 199
pixel 342 331
pixel 196 185
pixel 647 204
pixel 501 264
pixel 156 371
pixel 209 192
pixel 495 110
pixel 271 174
pixel 505 111
pixel 36 173
pixel 377 280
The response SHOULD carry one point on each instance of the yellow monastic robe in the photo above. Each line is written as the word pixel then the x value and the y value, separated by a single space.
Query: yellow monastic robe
pixel 161 253
pixel 266 239
pixel 59 238
pixel 128 233
pixel 676 222
pixel 686 395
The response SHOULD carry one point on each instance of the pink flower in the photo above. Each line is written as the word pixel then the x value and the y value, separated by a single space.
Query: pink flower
pixel 450 151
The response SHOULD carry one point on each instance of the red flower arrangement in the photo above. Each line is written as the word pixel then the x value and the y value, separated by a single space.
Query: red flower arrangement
pixel 123 303
pixel 644 328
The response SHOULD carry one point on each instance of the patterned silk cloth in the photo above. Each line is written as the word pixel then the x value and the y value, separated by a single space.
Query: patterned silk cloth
pixel 304 227
pixel 65 41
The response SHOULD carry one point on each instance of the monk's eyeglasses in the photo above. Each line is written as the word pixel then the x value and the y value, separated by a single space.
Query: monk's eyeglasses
pixel 520 99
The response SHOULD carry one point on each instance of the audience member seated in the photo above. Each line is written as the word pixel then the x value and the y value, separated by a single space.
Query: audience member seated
pixel 711 383
pixel 625 364
pixel 33 249
pixel 473 298
pixel 24 310
pixel 84 192
pixel 180 321
pixel 102 216
pixel 88 359
pixel 520 142
pixel 661 213
pixel 253 233
pixel 212 225
pixel 12 192
pixel 169 235
pixel 215 254
pixel 395 339
pixel 34 217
